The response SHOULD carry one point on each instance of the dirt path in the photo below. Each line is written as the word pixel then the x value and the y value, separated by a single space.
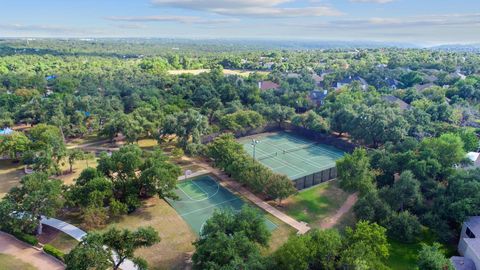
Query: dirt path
pixel 11 246
pixel 301 227
pixel 347 205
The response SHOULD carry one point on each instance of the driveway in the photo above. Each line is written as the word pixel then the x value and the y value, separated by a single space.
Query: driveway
pixel 11 246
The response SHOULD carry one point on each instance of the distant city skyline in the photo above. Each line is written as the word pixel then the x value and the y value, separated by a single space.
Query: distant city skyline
pixel 422 22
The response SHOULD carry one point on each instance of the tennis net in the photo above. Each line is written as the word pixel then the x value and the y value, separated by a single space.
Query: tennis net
pixel 267 156
pixel 298 148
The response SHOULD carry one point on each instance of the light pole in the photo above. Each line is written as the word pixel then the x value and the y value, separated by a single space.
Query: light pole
pixel 254 145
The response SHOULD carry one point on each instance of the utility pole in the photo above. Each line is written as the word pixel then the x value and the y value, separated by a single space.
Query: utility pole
pixel 254 145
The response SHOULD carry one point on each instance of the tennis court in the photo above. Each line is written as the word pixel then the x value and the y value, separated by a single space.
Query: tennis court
pixel 199 197
pixel 292 155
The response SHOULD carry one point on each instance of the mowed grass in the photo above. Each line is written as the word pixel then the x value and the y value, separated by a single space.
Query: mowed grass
pixel 79 165
pixel 176 235
pixel 315 204
pixel 404 256
pixel 8 262
pixel 10 176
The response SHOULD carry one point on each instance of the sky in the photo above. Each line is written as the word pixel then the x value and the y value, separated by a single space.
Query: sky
pixel 422 22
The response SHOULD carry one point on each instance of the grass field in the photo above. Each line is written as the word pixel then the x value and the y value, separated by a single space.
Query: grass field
pixel 8 262
pixel 316 203
pixel 176 235
pixel 78 167
pixel 10 175
pixel 404 256
pixel 64 242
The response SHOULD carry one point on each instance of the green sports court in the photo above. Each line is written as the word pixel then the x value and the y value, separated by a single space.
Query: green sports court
pixel 304 161
pixel 200 197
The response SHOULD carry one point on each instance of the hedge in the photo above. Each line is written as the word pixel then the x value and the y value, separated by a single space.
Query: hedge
pixel 27 238
pixel 54 252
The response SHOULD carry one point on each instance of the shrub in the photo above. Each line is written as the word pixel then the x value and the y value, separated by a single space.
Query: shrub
pixel 49 249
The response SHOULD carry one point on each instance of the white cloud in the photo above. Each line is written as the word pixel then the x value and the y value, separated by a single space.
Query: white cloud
pixel 372 1
pixel 50 29
pixel 174 18
pixel 252 8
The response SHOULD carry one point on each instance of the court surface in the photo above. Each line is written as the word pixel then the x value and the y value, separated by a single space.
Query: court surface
pixel 199 197
pixel 291 155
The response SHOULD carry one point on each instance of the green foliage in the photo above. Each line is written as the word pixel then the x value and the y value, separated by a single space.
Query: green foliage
pixel 54 252
pixel 230 241
pixel 354 172
pixel 14 144
pixel 404 227
pixel 27 238
pixel 230 157
pixel 242 120
pixel 431 258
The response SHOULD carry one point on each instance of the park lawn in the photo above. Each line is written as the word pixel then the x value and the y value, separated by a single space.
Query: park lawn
pixel 10 175
pixel 176 235
pixel 8 262
pixel 279 236
pixel 79 165
pixel 403 256
pixel 314 204
pixel 147 143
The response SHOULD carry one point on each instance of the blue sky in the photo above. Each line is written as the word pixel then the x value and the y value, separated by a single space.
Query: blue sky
pixel 425 22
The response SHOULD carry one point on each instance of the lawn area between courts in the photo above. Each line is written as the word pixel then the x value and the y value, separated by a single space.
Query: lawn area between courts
pixel 314 204
pixel 404 256
pixel 200 197
pixel 291 155
pixel 8 262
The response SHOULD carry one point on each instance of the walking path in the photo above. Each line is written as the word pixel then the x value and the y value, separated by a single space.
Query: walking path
pixel 24 252
pixel 301 227
pixel 347 205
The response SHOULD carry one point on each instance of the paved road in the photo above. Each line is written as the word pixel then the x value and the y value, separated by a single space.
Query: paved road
pixel 12 246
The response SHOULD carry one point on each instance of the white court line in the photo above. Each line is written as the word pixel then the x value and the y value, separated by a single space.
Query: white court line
pixel 197 210
pixel 192 200
pixel 298 169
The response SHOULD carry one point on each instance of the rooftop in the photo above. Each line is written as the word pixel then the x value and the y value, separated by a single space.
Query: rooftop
pixel 474 224
pixel 462 263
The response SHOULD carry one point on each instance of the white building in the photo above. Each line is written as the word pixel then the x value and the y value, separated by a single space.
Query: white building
pixel 469 246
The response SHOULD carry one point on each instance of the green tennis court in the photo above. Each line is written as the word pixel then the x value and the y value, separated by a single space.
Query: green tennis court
pixel 199 197
pixel 292 155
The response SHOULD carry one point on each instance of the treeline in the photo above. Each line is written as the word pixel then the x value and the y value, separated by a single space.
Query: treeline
pixel 230 156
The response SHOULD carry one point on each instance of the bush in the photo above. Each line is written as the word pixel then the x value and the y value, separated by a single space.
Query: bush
pixel 49 249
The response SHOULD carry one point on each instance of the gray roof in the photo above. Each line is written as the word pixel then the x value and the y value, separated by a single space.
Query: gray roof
pixel 474 245
pixel 474 224
pixel 462 263
pixel 393 99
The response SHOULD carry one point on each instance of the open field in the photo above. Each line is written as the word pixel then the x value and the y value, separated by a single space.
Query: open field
pixel 244 73
pixel 78 167
pixel 10 175
pixel 317 203
pixel 8 262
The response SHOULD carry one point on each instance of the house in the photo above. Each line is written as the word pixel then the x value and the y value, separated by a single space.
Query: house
pixel 422 87
pixel 392 83
pixel 317 97
pixel 475 158
pixel 292 75
pixel 349 80
pixel 468 246
pixel 394 100
pixel 268 85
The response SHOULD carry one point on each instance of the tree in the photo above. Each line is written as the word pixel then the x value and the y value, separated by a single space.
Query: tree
pixel 73 155
pixel 404 193
pixel 446 149
pixel 470 140
pixel 432 258
pixel 89 254
pixel 111 248
pixel 158 176
pixel 242 120
pixel 279 113
pixel 366 246
pixel 230 241
pixel 295 254
pixel 14 144
pixel 325 246
pixel 279 187
pixel 187 126
pixel 354 172
pixel 404 227
pixel 36 196
pixel 48 147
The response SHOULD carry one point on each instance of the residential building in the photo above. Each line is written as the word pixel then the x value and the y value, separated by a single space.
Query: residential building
pixel 468 246
pixel 268 85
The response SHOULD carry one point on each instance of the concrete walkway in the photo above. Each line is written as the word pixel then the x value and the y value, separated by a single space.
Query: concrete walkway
pixel 301 227
pixel 24 252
